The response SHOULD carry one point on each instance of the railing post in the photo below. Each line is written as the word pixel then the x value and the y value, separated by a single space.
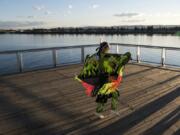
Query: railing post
pixel 117 48
pixel 101 40
pixel 19 61
pixel 54 57
pixel 163 56
pixel 82 54
pixel 138 54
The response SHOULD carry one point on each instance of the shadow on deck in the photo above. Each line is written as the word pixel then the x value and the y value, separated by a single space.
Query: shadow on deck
pixel 50 102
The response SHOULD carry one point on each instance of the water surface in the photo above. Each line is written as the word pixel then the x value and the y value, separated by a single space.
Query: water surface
pixel 33 60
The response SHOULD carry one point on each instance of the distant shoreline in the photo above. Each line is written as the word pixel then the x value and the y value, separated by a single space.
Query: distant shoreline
pixel 172 34
pixel 118 30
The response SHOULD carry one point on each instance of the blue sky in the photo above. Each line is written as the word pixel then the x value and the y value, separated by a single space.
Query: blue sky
pixel 65 13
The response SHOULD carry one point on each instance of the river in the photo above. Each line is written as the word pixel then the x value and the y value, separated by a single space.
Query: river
pixel 23 41
pixel 30 41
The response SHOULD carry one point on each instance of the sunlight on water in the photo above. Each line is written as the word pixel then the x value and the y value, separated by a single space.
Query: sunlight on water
pixel 23 41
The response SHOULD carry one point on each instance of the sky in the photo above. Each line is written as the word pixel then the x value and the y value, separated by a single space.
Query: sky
pixel 74 13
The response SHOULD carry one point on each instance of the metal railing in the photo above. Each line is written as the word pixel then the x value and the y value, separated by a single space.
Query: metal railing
pixel 138 51
pixel 20 61
pixel 19 56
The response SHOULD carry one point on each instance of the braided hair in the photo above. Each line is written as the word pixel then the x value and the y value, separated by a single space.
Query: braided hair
pixel 102 47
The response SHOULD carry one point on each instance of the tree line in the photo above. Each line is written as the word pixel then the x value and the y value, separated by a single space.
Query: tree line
pixel 101 30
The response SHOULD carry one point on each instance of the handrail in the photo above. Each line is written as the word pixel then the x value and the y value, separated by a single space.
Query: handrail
pixel 54 50
pixel 91 45
pixel 146 46
pixel 47 49
pixel 138 52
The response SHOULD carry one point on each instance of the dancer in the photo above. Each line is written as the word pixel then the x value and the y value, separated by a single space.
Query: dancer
pixel 101 76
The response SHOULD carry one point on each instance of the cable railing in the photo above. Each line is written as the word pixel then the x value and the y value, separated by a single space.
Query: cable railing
pixel 54 53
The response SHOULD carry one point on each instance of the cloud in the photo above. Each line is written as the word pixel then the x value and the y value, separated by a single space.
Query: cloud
pixel 48 12
pixel 20 24
pixel 39 8
pixel 69 12
pixel 26 17
pixel 175 15
pixel 168 14
pixel 30 16
pixel 43 9
pixel 70 6
pixel 94 6
pixel 133 20
pixel 127 15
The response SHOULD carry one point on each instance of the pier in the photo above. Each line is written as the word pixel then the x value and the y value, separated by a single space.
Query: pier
pixel 50 101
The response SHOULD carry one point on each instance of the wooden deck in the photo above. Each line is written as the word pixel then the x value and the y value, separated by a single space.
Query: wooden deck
pixel 49 102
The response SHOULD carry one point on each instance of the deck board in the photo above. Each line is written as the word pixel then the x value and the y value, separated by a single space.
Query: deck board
pixel 50 102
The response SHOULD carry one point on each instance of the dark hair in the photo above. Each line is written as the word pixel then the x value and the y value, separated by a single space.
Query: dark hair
pixel 102 46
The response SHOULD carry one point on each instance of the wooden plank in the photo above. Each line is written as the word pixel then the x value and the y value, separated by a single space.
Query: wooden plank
pixel 52 102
